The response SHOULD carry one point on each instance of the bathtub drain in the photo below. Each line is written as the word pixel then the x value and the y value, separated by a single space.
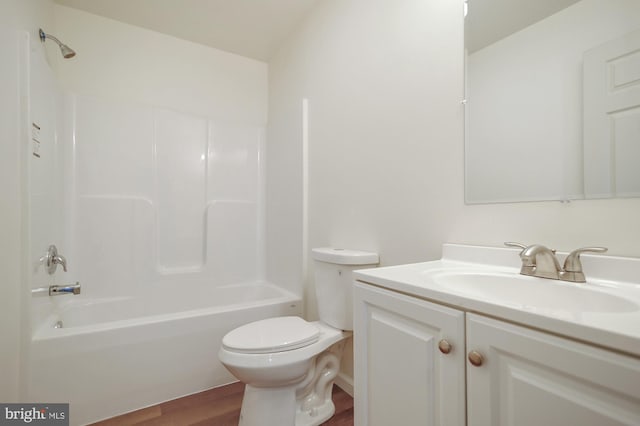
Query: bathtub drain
pixel 58 324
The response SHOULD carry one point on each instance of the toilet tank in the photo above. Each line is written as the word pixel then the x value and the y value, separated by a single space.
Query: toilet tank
pixel 334 282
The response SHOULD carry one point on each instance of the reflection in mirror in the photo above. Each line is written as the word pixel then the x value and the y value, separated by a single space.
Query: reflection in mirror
pixel 535 129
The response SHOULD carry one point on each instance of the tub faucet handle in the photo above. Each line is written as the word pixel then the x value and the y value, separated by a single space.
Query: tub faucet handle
pixel 52 259
pixel 61 260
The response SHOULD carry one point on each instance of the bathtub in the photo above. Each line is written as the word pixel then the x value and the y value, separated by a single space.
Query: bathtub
pixel 120 354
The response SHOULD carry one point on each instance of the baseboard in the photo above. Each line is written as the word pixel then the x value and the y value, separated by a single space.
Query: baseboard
pixel 345 383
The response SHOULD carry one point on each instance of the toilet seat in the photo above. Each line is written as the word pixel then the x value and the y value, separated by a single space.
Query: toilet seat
pixel 271 335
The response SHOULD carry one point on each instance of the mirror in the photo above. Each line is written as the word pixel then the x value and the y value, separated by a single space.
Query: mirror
pixel 552 100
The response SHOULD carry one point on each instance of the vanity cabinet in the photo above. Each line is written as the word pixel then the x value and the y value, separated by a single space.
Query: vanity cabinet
pixel 401 377
pixel 405 374
pixel 533 378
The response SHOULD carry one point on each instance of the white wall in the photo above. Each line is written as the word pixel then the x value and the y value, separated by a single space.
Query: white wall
pixel 16 17
pixel 121 61
pixel 525 104
pixel 384 82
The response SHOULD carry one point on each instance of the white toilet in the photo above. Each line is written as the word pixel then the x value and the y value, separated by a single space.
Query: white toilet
pixel 288 364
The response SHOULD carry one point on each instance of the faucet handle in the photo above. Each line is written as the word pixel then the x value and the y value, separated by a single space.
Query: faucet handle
pixel 522 246
pixel 572 262
pixel 512 244
pixel 52 259
pixel 61 260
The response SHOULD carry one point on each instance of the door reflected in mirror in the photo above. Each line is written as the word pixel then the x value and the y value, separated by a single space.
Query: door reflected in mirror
pixel 553 100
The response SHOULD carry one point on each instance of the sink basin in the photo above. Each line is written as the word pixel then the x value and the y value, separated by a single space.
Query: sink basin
pixel 531 293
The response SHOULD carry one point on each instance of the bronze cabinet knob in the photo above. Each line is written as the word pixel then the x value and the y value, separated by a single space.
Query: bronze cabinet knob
pixel 444 346
pixel 476 358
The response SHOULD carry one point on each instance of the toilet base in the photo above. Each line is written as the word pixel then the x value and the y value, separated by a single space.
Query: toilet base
pixel 307 403
pixel 268 406
pixel 258 408
pixel 315 416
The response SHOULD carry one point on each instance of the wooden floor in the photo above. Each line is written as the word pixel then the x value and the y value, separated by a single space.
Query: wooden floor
pixel 215 407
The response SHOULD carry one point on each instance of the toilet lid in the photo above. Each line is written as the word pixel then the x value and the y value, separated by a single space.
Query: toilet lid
pixel 271 335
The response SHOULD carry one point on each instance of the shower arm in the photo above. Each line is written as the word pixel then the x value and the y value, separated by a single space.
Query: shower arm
pixel 66 51
pixel 44 36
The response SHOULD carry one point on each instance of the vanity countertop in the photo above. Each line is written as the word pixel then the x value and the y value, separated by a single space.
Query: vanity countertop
pixel 604 311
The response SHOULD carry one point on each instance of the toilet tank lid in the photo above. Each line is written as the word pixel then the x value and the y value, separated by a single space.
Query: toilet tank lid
pixel 345 256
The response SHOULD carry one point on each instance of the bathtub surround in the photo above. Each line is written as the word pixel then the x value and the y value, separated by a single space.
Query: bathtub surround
pixel 158 201
pixel 189 142
pixel 186 133
pixel 185 203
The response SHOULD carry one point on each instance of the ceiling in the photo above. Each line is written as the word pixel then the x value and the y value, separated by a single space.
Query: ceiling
pixel 491 20
pixel 255 28
pixel 251 28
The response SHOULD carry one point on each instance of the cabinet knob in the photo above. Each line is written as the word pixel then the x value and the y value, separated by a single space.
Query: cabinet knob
pixel 476 358
pixel 444 346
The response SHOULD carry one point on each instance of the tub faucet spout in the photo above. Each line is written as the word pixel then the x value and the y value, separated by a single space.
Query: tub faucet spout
pixel 57 290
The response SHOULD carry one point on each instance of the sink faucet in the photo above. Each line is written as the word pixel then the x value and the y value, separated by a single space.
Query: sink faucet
pixel 540 261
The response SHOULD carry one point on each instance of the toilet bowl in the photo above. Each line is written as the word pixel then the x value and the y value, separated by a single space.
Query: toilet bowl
pixel 280 380
pixel 288 364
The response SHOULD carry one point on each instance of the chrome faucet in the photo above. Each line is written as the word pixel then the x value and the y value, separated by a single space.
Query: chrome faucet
pixel 57 290
pixel 52 259
pixel 540 261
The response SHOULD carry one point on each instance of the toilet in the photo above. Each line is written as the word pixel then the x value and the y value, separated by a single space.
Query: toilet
pixel 287 364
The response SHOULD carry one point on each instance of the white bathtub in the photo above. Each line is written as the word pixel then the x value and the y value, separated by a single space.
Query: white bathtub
pixel 120 354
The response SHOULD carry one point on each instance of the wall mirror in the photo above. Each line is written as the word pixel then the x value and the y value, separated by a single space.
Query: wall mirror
pixel 552 100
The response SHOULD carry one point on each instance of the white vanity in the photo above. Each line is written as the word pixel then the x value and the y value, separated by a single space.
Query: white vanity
pixel 467 340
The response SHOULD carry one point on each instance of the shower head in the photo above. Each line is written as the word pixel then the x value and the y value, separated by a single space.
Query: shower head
pixel 66 51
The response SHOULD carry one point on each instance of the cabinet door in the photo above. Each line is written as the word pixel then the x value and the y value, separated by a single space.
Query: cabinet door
pixel 530 378
pixel 401 377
